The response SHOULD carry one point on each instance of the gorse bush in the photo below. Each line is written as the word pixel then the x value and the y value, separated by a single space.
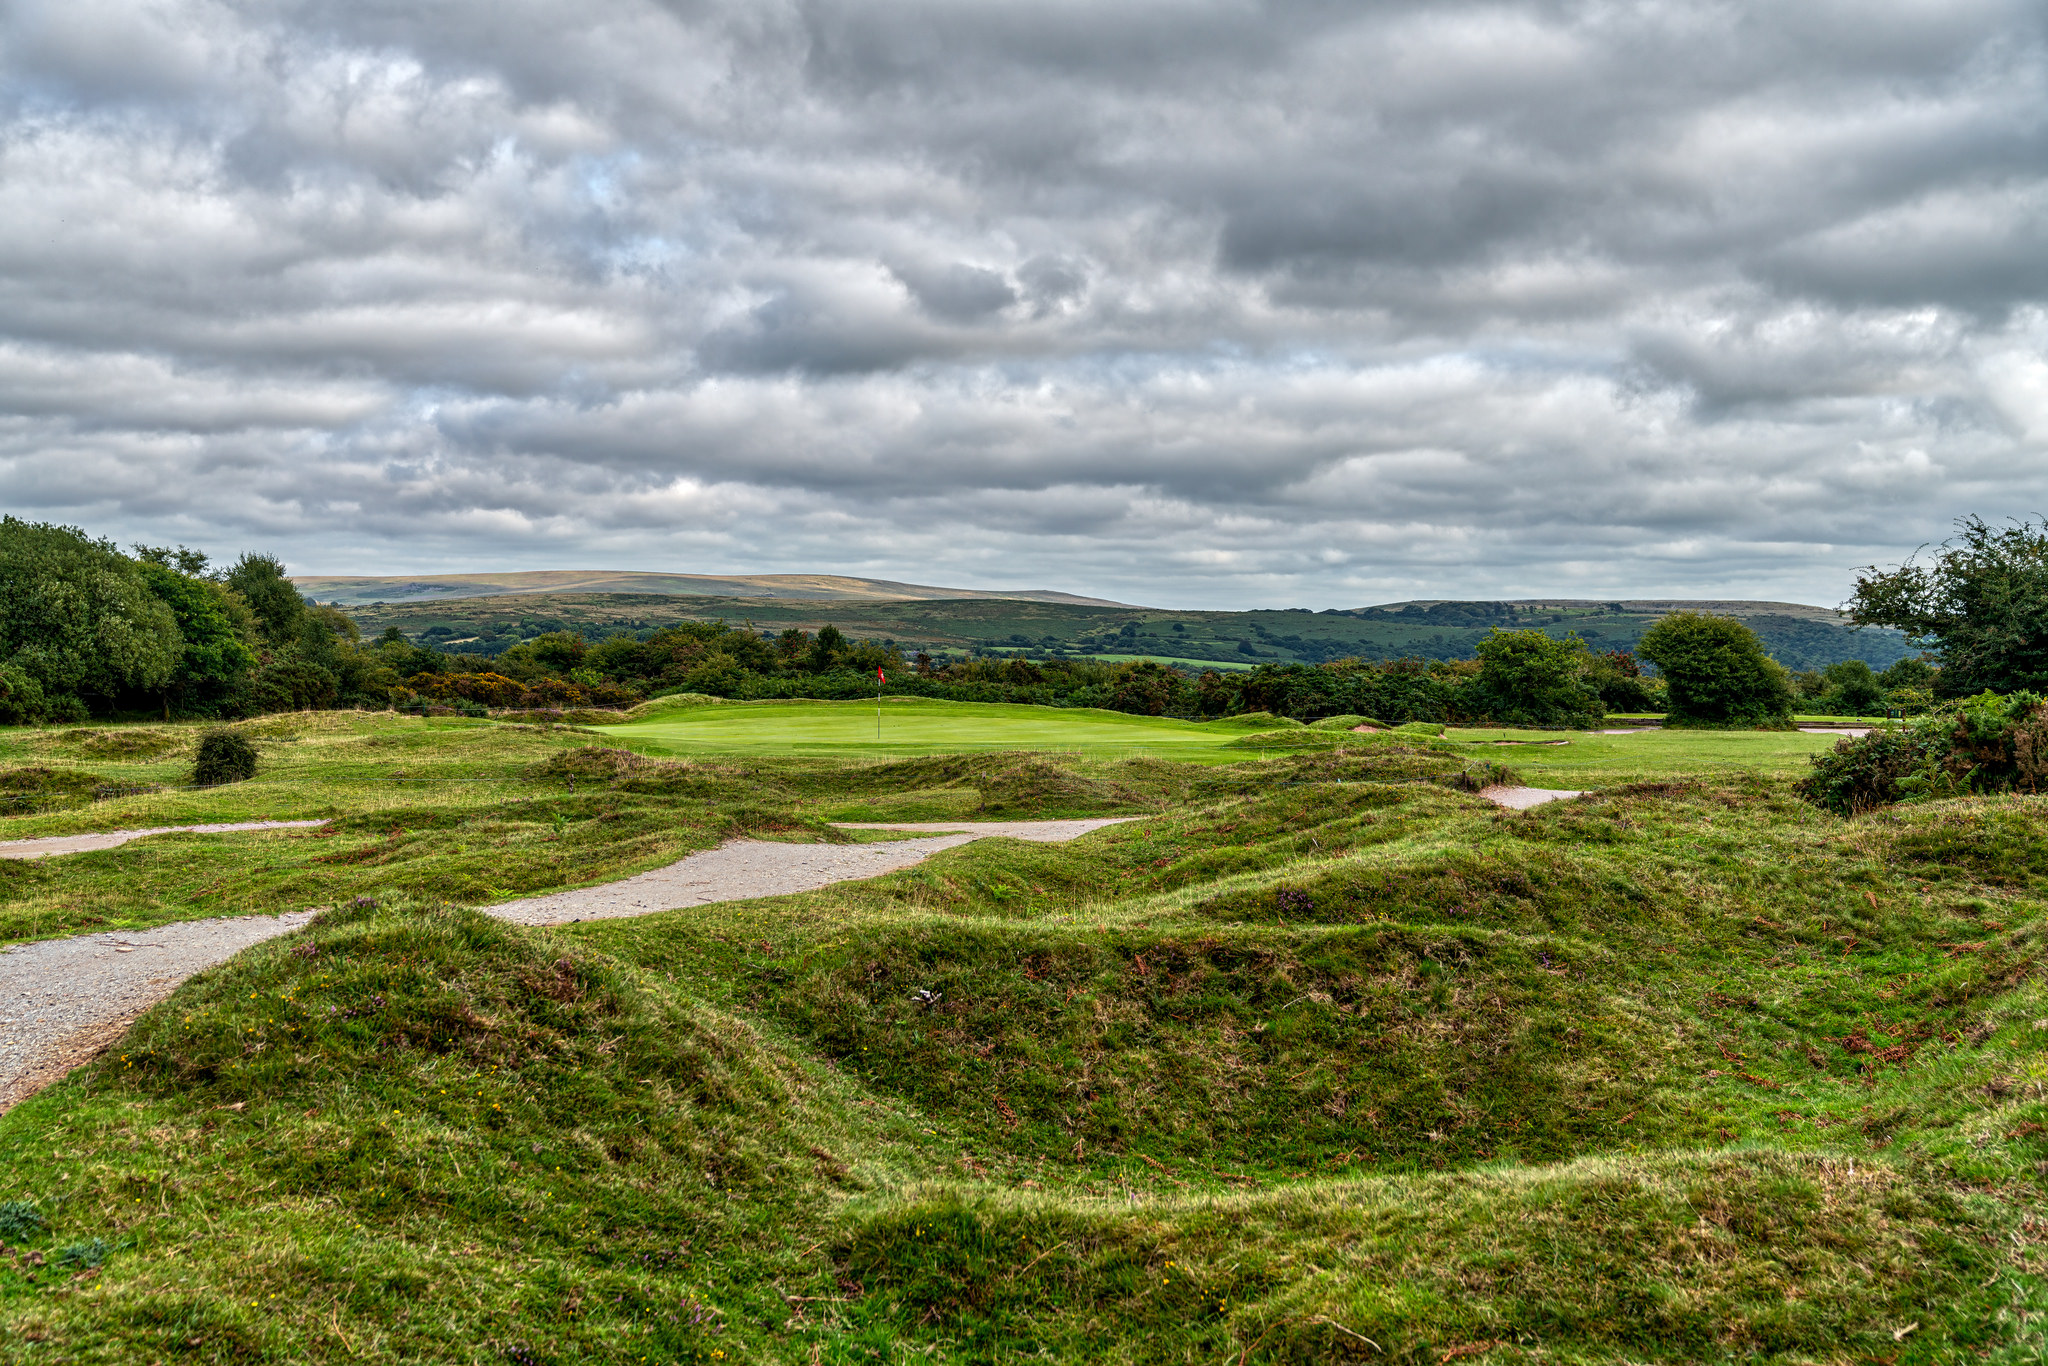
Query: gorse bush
pixel 225 756
pixel 1987 743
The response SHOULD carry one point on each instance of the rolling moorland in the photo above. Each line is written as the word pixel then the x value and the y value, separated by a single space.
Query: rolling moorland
pixel 1322 1058
pixel 1798 637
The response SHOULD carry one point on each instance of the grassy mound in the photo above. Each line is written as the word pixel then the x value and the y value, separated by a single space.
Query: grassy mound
pixel 126 742
pixel 1348 722
pixel 1718 1256
pixel 679 701
pixel 34 790
pixel 428 1131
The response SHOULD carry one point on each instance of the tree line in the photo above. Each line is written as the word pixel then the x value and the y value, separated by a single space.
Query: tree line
pixel 87 630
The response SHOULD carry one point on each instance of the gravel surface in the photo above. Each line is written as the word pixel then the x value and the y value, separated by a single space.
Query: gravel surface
pixel 750 868
pixel 109 839
pixel 63 1000
pixel 1522 798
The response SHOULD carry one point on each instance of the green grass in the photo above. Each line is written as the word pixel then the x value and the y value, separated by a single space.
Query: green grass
pixel 1587 760
pixel 1321 1059
pixel 912 725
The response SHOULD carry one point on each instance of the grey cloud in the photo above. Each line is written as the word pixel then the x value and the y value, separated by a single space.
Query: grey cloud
pixel 1175 300
pixel 957 293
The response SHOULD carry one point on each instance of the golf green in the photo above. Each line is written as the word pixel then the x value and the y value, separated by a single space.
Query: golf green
pixel 915 725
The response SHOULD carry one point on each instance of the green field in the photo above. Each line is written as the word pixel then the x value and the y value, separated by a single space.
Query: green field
pixel 1322 1059
pixel 915 725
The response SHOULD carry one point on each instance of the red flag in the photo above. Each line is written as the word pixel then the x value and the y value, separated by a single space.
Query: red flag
pixel 880 677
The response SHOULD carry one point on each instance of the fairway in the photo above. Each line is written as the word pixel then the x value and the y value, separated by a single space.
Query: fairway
pixel 1591 760
pixel 917 726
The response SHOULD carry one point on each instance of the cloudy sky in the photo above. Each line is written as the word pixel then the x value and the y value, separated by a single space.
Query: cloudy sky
pixel 1186 302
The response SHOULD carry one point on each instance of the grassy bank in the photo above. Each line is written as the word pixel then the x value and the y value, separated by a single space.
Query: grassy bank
pixel 1323 1059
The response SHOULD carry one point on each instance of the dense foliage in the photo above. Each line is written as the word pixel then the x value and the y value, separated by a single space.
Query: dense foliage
pixel 1989 743
pixel 1981 605
pixel 1717 672
pixel 85 629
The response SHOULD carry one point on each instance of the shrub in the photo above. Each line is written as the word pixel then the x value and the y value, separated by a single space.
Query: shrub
pixel 225 756
pixel 1987 743
pixel 1716 673
pixel 1622 685
pixel 1862 773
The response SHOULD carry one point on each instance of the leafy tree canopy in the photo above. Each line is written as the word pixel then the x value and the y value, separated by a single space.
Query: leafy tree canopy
pixel 1981 604
pixel 214 656
pixel 1716 672
pixel 77 619
pixel 1530 678
pixel 280 611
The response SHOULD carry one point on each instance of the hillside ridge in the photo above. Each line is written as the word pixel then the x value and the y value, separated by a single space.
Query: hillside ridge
pixel 359 589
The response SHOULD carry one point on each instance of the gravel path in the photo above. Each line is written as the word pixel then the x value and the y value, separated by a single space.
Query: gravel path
pixel 751 868
pixel 63 1000
pixel 109 839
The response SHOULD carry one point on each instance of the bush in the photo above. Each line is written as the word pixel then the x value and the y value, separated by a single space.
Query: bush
pixel 1716 673
pixel 1862 773
pixel 1622 685
pixel 225 756
pixel 1987 743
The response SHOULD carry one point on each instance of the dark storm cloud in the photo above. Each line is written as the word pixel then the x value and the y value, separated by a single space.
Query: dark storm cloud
pixel 1178 300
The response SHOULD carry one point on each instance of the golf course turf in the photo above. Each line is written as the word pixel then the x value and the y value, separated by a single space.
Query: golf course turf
pixel 1323 1058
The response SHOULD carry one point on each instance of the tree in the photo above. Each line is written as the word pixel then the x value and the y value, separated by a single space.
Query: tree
pixel 78 621
pixel 1853 689
pixel 826 648
pixel 214 661
pixel 1146 688
pixel 1981 605
pixel 278 607
pixel 1529 678
pixel 1716 672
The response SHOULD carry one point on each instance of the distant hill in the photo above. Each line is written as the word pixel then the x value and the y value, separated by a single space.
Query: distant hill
pixel 352 590
pixel 955 621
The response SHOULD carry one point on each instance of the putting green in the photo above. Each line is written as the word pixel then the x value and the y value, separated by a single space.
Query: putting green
pixel 916 725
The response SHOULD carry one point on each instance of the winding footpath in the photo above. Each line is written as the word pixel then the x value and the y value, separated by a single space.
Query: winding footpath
pixel 63 1000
